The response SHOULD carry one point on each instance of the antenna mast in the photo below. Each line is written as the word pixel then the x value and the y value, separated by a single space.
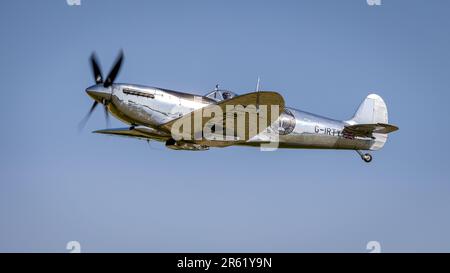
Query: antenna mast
pixel 257 95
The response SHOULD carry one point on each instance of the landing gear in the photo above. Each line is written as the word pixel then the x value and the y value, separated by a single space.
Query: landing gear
pixel 366 157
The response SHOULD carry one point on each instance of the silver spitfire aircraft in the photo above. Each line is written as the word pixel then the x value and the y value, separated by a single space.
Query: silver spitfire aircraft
pixel 222 118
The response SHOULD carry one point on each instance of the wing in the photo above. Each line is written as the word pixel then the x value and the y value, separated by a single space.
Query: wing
pixel 139 132
pixel 264 100
pixel 367 130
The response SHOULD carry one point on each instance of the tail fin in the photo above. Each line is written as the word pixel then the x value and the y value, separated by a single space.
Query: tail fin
pixel 372 110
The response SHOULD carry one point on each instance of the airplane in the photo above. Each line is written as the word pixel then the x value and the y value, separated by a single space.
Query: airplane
pixel 151 113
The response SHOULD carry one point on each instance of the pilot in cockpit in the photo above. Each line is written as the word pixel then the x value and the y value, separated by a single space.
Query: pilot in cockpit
pixel 220 94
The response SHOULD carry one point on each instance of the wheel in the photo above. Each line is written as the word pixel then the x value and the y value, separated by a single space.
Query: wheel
pixel 367 157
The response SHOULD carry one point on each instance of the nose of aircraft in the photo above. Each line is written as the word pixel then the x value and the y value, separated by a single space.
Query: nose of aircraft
pixel 99 93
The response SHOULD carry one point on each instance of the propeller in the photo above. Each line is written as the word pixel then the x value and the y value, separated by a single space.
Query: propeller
pixel 86 118
pixel 96 69
pixel 114 71
pixel 97 73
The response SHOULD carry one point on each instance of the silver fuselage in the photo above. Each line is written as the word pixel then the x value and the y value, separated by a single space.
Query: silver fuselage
pixel 152 107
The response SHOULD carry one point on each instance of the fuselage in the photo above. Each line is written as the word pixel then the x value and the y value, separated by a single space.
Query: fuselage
pixel 152 107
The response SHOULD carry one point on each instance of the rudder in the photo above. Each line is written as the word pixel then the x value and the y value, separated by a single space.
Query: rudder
pixel 371 111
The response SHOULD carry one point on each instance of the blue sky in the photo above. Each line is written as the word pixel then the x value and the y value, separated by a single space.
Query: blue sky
pixel 115 194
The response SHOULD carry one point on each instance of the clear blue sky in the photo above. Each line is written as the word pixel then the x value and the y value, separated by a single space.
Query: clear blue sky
pixel 116 194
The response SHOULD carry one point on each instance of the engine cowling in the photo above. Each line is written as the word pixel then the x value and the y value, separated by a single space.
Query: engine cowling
pixel 181 145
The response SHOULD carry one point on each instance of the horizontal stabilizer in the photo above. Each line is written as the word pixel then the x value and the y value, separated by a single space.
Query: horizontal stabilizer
pixel 367 130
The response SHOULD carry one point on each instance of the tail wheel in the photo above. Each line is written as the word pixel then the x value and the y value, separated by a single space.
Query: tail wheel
pixel 367 157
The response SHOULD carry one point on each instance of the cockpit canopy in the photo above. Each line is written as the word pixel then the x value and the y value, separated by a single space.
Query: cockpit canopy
pixel 221 94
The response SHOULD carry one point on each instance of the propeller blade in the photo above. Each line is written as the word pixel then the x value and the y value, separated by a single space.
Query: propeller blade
pixel 96 69
pixel 86 118
pixel 106 116
pixel 114 71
